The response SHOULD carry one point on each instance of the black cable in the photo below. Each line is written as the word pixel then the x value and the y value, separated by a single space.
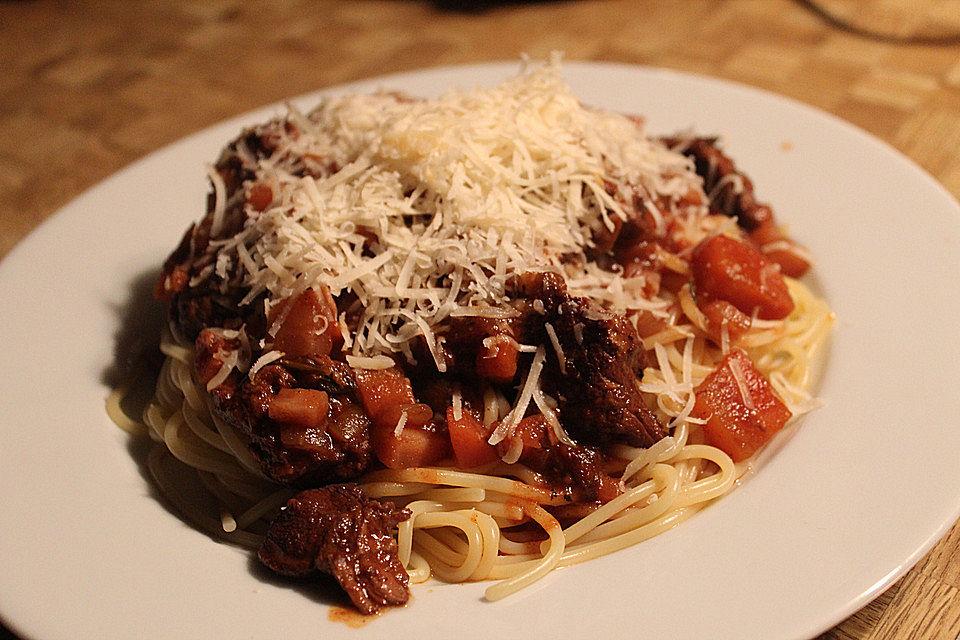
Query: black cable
pixel 835 21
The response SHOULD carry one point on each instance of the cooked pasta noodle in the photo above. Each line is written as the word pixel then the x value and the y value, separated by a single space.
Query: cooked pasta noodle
pixel 450 252
pixel 460 522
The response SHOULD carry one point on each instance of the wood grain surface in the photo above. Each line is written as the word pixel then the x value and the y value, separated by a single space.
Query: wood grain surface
pixel 86 87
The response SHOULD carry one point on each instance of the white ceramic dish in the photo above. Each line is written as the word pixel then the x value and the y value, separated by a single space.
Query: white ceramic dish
pixel 859 493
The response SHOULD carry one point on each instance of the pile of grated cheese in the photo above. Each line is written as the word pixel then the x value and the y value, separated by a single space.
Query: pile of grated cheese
pixel 434 204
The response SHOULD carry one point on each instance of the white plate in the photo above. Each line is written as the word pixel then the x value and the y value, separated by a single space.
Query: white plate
pixel 862 490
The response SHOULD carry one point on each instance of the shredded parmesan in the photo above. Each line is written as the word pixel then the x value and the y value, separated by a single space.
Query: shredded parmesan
pixel 401 423
pixel 457 405
pixel 561 359
pixel 510 422
pixel 424 209
pixel 229 362
pixel 741 384
pixel 262 361
pixel 375 362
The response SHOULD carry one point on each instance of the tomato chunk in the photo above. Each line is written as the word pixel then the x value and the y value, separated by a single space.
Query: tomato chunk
pixel 418 415
pixel 309 327
pixel 739 419
pixel 211 350
pixel 776 246
pixel 498 361
pixel 721 314
pixel 727 269
pixel 534 433
pixel 468 437
pixel 412 448
pixel 381 389
pixel 302 407
pixel 386 395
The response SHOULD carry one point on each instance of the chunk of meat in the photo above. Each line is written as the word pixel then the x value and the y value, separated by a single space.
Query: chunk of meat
pixel 727 269
pixel 174 275
pixel 211 351
pixel 730 191
pixel 581 469
pixel 215 302
pixel 197 308
pixel 535 437
pixel 485 347
pixel 741 409
pixel 339 531
pixel 598 394
pixel 285 429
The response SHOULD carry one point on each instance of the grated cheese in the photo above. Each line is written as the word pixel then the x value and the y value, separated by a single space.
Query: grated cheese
pixel 561 359
pixel 741 384
pixel 262 361
pixel 509 424
pixel 424 209
pixel 375 362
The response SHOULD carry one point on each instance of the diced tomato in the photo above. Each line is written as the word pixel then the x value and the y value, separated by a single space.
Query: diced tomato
pixel 210 352
pixel 302 407
pixel 497 362
pixel 469 439
pixel 412 448
pixel 791 263
pixel 648 324
pixel 418 415
pixel 734 271
pixel 735 424
pixel 170 282
pixel 721 314
pixel 381 389
pixel 309 327
pixel 534 433
pixel 777 247
pixel 386 394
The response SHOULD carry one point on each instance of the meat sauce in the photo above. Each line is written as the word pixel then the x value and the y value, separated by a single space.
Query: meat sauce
pixel 314 421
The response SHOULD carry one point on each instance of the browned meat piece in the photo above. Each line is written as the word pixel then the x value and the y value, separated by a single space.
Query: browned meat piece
pixel 581 469
pixel 192 311
pixel 720 178
pixel 333 449
pixel 600 403
pixel 195 309
pixel 339 531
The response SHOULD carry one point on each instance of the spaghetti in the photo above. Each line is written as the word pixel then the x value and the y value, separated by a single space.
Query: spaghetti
pixel 411 235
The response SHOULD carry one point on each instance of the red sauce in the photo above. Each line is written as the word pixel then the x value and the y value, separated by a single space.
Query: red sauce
pixel 353 618
pixel 349 616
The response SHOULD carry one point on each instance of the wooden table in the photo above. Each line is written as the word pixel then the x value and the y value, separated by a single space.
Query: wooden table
pixel 87 87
